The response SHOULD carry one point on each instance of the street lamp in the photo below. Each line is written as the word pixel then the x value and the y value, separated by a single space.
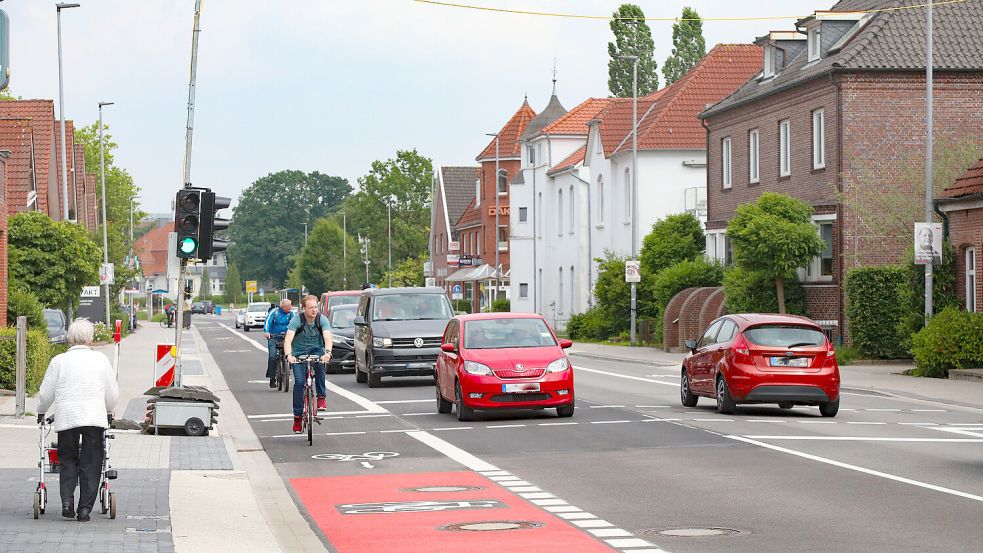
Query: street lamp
pixel 102 173
pixel 389 207
pixel 634 184
pixel 305 233
pixel 497 176
pixel 131 219
pixel 61 115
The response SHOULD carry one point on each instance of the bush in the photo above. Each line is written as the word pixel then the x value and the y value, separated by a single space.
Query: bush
pixel 21 303
pixel 953 339
pixel 875 310
pixel 673 239
pixel 913 292
pixel 612 292
pixel 501 305
pixel 754 292
pixel 593 324
pixel 39 353
pixel 462 305
pixel 675 279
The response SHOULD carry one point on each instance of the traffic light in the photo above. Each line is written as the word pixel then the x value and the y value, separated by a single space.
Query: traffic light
pixel 210 224
pixel 187 222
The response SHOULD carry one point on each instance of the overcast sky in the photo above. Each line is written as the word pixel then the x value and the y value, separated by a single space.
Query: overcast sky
pixel 326 85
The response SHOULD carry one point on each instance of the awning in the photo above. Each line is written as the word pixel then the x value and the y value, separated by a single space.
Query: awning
pixel 473 274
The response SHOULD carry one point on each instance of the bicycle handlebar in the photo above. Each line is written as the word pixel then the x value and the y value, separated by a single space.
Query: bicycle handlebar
pixel 305 358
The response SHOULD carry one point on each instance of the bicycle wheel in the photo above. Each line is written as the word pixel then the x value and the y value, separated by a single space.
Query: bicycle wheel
pixel 285 372
pixel 279 373
pixel 311 410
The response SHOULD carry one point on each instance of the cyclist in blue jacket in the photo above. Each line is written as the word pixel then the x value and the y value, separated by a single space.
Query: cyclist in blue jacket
pixel 275 329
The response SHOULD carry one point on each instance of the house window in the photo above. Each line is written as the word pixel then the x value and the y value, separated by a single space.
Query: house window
pixel 571 199
pixel 524 290
pixel 559 298
pixel 523 214
pixel 503 238
pixel 539 216
pixel 821 266
pixel 725 162
pixel 754 150
pixel 531 154
pixel 784 151
pixel 971 279
pixel 559 211
pixel 503 184
pixel 477 193
pixel 573 293
pixel 628 198
pixel 600 199
pixel 769 65
pixel 815 44
pixel 818 140
pixel 718 247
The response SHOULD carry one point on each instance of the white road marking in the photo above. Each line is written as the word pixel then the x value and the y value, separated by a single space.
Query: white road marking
pixel 518 489
pixel 453 428
pixel 545 502
pixel 373 416
pixel 563 509
pixel 867 439
pixel 452 451
pixel 610 533
pixel 496 473
pixel 367 464
pixel 558 423
pixel 608 422
pixel 886 410
pixel 505 426
pixel 595 523
pixel 633 542
pixel 404 401
pixel 536 495
pixel 264 381
pixel 582 368
pixel 575 515
pixel 281 415
pixel 394 431
pixel 714 420
pixel 766 420
pixel 816 422
pixel 341 434
pixel 504 478
pixel 416 414
pixel 604 406
pixel 654 406
pixel 917 424
pixel 854 422
pixel 929 410
pixel 858 468
pixel 974 431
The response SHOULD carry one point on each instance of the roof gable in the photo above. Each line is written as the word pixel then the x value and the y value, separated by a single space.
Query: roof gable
pixel 570 161
pixel 574 122
pixel 151 248
pixel 457 190
pixel 508 136
pixel 970 183
pixel 42 116
pixel 17 135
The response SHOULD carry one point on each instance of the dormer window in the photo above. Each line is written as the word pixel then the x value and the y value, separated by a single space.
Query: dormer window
pixel 477 193
pixel 769 63
pixel 815 44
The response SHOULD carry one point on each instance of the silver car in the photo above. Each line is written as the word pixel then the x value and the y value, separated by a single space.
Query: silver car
pixel 240 315
pixel 255 316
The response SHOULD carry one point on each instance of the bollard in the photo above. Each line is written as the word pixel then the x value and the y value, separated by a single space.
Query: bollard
pixel 21 363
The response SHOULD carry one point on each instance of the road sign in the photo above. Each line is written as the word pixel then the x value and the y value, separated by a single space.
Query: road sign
pixel 633 272
pixel 107 274
pixel 431 281
pixel 164 364
pixel 262 292
pixel 251 286
pixel 457 292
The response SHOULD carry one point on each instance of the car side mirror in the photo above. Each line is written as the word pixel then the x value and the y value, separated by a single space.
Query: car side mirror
pixel 448 347
pixel 564 343
pixel 691 344
pixel 360 321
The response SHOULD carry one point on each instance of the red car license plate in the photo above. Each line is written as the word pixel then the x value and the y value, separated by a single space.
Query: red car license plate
pixel 789 361
pixel 523 388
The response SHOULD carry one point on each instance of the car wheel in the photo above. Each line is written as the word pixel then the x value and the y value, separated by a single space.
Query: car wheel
pixel 443 406
pixel 565 411
pixel 360 376
pixel 375 379
pixel 785 404
pixel 464 413
pixel 829 408
pixel 245 328
pixel 686 396
pixel 725 404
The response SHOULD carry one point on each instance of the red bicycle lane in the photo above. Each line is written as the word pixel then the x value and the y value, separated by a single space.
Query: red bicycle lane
pixel 424 512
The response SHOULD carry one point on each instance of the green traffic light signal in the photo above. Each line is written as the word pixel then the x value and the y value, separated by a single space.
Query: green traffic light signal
pixel 188 246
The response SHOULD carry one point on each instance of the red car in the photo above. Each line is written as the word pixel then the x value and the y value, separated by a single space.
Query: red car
pixel 339 297
pixel 503 361
pixel 783 359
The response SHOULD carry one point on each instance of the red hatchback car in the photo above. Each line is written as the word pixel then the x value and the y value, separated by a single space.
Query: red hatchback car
pixel 783 359
pixel 503 361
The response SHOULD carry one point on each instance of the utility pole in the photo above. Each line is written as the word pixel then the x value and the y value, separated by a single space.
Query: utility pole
pixel 389 207
pixel 928 160
pixel 634 186
pixel 105 239
pixel 497 176
pixel 344 250
pixel 61 113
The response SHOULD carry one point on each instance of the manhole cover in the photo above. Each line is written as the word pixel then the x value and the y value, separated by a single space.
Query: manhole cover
pixel 691 532
pixel 441 489
pixel 491 526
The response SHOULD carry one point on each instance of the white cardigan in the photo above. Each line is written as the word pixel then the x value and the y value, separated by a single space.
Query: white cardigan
pixel 81 387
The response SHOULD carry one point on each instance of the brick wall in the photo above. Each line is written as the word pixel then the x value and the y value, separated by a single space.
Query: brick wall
pixel 3 244
pixel 965 231
pixel 511 167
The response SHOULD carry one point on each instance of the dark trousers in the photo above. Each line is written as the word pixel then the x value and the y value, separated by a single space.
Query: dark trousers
pixel 300 379
pixel 271 360
pixel 81 464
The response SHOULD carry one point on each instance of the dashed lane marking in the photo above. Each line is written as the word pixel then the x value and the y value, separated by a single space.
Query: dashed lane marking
pixel 580 367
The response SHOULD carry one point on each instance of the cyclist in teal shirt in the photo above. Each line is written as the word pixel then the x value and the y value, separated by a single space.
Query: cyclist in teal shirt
pixel 307 334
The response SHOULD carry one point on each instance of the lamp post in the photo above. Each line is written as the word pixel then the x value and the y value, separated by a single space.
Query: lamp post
pixel 61 115
pixel 389 208
pixel 102 177
pixel 928 159
pixel 131 217
pixel 305 233
pixel 344 250
pixel 497 176
pixel 634 185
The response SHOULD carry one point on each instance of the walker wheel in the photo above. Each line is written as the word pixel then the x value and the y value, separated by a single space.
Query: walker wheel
pixel 103 500
pixel 37 505
pixel 112 505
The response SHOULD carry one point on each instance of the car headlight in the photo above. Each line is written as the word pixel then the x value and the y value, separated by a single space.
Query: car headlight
pixel 472 367
pixel 558 366
pixel 337 339
pixel 382 342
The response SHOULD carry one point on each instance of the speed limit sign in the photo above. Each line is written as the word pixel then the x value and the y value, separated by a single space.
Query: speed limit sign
pixel 632 271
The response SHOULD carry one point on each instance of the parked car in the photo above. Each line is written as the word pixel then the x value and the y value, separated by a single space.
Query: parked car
pixel 783 359
pixel 503 361
pixel 255 316
pixel 198 307
pixel 339 297
pixel 240 318
pixel 398 332
pixel 342 338
pixel 209 306
pixel 57 325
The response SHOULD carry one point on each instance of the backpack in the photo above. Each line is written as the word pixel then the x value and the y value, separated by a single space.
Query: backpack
pixel 317 324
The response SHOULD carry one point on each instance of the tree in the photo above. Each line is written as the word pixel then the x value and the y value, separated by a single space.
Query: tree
pixel 233 285
pixel 673 239
pixel 612 292
pixel 409 272
pixel 52 260
pixel 774 236
pixel 266 229
pixel 206 285
pixel 688 46
pixel 321 264
pixel 632 37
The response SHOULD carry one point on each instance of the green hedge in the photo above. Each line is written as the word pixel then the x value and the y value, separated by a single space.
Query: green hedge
pixel 21 303
pixel 753 292
pixel 462 305
pixel 953 339
pixel 593 324
pixel 39 353
pixel 876 311
pixel 501 305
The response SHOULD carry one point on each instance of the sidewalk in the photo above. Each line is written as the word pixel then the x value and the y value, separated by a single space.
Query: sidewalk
pixel 175 493
pixel 883 379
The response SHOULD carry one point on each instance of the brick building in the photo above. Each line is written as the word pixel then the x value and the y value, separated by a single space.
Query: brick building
pixel 454 190
pixel 42 194
pixel 836 113
pixel 962 204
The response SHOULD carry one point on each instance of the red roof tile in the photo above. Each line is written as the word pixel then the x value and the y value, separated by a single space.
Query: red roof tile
pixel 570 161
pixel 575 120
pixel 42 116
pixel 69 160
pixel 508 136
pixel 470 216
pixel 90 200
pixel 151 248
pixel 970 183
pixel 16 135
pixel 616 121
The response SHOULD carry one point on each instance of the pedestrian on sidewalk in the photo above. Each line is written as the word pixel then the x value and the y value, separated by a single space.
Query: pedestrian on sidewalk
pixel 81 387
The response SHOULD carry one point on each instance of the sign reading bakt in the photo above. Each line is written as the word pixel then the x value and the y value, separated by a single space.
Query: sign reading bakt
pixel 633 271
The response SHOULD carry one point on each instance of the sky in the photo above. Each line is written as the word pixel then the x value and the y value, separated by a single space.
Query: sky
pixel 326 85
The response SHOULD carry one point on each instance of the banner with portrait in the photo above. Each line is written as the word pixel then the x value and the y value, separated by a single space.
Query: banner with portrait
pixel 928 243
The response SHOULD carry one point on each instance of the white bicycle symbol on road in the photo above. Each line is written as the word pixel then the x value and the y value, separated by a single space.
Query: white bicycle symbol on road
pixel 369 456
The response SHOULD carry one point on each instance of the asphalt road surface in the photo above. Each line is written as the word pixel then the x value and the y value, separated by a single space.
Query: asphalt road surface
pixel 631 471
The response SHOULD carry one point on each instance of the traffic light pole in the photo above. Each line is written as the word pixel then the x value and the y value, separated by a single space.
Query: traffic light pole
pixel 179 323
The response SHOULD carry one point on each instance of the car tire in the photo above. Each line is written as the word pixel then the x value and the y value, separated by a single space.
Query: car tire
pixel 686 396
pixel 443 406
pixel 360 376
pixel 829 408
pixel 245 328
pixel 464 413
pixel 785 404
pixel 375 380
pixel 725 403
pixel 566 411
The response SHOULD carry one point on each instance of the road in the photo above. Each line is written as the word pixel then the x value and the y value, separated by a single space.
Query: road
pixel 631 471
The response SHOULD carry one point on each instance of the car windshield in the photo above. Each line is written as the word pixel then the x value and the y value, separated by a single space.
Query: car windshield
pixel 507 333
pixel 343 318
pixel 785 336
pixel 258 308
pixel 335 301
pixel 411 307
pixel 53 318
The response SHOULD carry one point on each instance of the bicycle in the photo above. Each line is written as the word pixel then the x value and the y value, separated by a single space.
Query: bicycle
pixel 310 397
pixel 167 322
pixel 282 367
